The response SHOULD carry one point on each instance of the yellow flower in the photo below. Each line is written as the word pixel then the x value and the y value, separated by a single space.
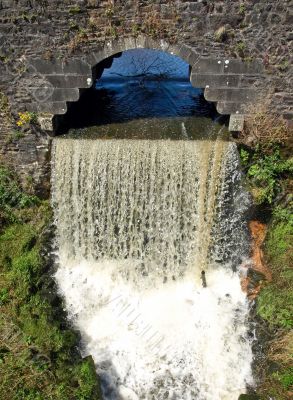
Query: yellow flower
pixel 24 118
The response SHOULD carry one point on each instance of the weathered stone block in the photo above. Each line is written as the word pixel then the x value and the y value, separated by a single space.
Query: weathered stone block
pixel 236 123
pixel 45 67
pixel 56 108
pixel 77 67
pixel 46 122
pixel 227 66
pixel 233 66
pixel 222 80
pixel 185 53
pixel 231 95
pixel 228 107
pixel 64 95
pixel 208 66
pixel 70 81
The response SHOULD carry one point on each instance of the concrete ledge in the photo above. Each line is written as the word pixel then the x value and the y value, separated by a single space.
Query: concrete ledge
pixel 77 67
pixel 231 95
pixel 233 66
pixel 70 81
pixel 73 67
pixel 186 53
pixel 222 80
pixel 227 108
pixel 208 66
pixel 64 95
pixel 55 108
pixel 44 67
pixel 227 66
pixel 51 94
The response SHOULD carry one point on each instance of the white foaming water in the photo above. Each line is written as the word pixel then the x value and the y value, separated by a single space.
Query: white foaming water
pixel 134 226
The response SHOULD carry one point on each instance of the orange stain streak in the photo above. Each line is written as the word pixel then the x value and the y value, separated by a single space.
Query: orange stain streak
pixel 258 233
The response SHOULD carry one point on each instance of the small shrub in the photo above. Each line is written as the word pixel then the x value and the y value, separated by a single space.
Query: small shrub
pixel 242 9
pixel 284 66
pixel 264 169
pixel 221 34
pixel 240 49
pixel 285 378
pixel 262 126
pixel 15 136
pixel 75 10
pixel 276 306
pixel 87 380
pixel 11 196
pixel 109 11
pixel 5 109
pixel 4 296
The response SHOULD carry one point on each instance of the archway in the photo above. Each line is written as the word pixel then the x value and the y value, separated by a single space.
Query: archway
pixel 136 84
pixel 227 82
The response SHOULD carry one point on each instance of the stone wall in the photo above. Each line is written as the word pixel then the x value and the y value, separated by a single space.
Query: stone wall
pixel 239 51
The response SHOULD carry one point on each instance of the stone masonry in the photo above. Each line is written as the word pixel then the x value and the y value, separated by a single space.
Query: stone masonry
pixel 240 53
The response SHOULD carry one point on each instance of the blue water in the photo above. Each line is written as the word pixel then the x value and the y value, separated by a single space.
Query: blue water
pixel 141 84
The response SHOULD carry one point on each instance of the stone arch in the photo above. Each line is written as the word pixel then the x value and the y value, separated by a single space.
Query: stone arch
pixel 230 83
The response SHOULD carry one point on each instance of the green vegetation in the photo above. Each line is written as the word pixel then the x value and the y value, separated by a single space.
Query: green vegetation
pixel 221 34
pixel 242 9
pixel 284 66
pixel 267 171
pixel 27 118
pixel 75 10
pixel 14 136
pixel 38 351
pixel 5 109
pixel 275 303
pixel 240 49
pixel 12 198
pixel 266 156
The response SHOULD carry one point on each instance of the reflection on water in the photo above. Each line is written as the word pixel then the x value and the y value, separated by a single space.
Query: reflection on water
pixel 121 100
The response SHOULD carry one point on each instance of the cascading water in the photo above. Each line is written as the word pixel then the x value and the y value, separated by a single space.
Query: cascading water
pixel 137 221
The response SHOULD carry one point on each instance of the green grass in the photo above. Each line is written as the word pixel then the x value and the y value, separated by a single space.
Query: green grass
pixel 39 359
pixel 12 198
pixel 275 302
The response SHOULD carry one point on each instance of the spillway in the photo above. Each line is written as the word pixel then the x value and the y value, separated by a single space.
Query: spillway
pixel 137 221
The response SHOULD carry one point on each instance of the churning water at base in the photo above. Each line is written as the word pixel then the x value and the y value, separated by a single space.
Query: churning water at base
pixel 137 221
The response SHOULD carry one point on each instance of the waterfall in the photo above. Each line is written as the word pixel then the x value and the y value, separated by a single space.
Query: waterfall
pixel 137 221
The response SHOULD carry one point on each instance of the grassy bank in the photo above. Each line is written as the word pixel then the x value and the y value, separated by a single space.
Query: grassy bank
pixel 268 166
pixel 38 351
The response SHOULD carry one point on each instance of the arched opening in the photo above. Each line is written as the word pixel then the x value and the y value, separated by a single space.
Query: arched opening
pixel 133 85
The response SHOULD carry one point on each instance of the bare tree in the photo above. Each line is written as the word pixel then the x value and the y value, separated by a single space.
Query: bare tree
pixel 148 68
